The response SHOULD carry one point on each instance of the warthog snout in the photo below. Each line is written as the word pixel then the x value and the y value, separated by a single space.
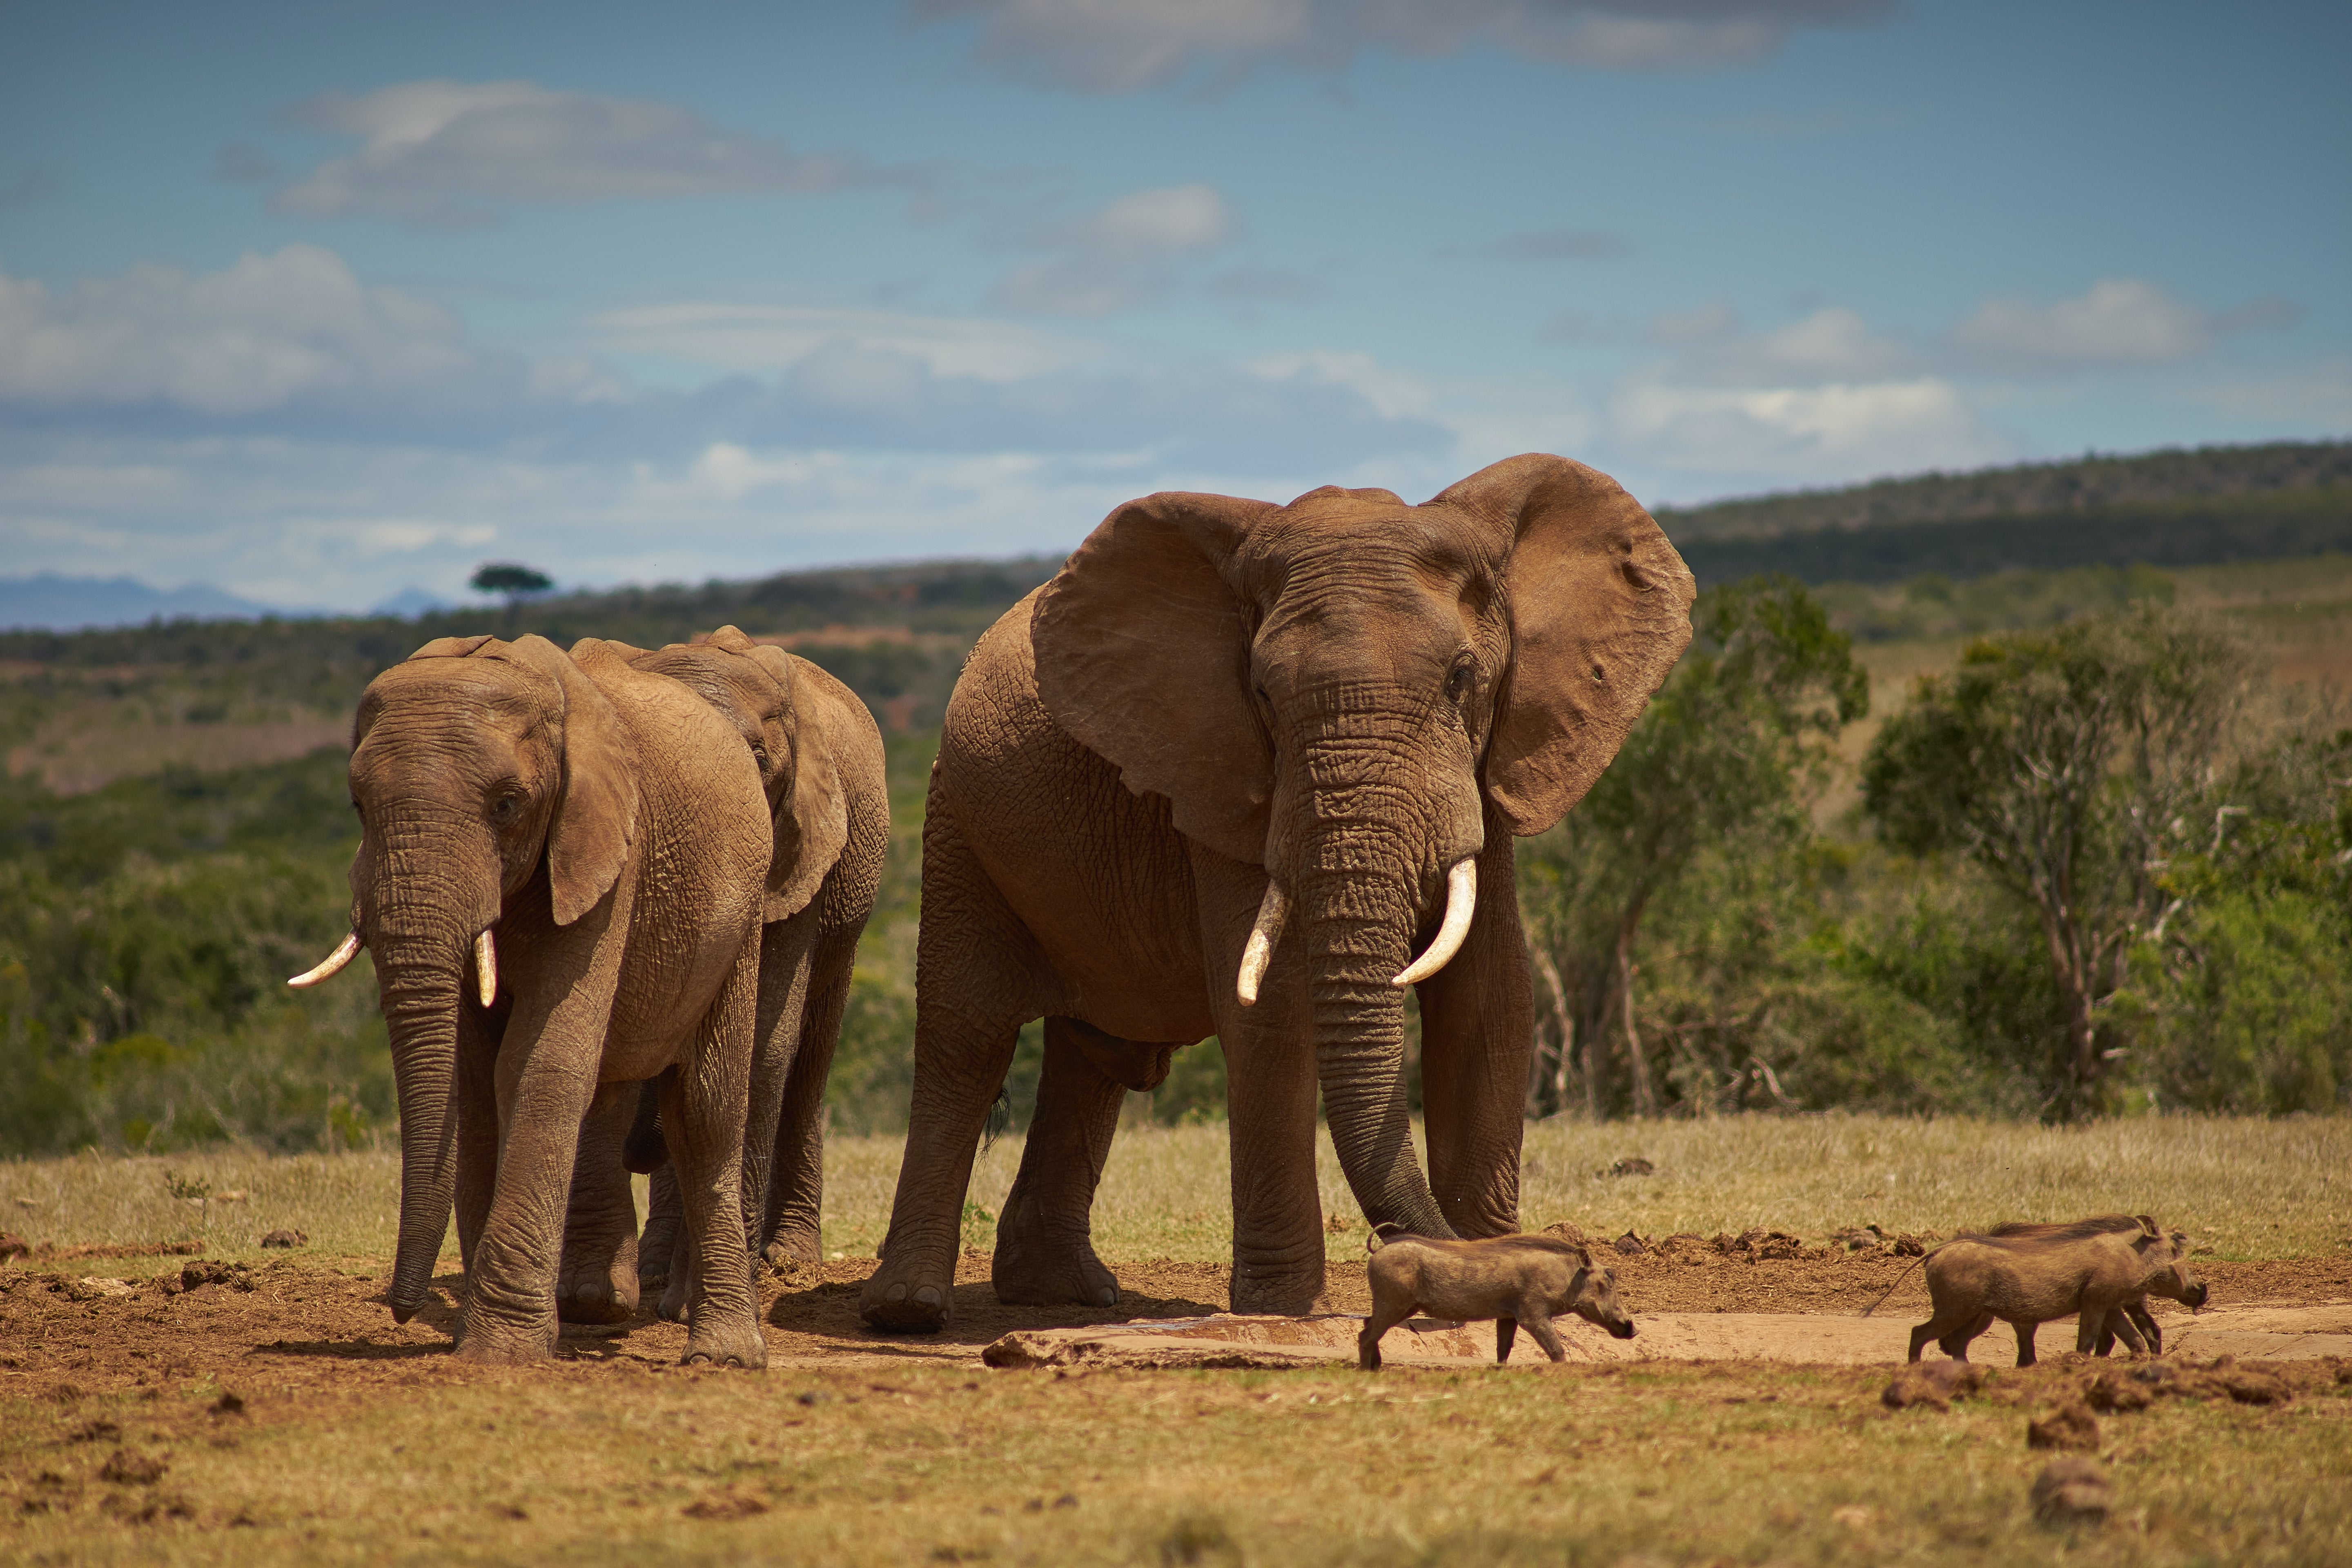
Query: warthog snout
pixel 2194 1297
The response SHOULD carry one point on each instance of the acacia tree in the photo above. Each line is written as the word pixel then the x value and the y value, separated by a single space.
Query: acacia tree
pixel 511 581
pixel 2064 762
pixel 1727 747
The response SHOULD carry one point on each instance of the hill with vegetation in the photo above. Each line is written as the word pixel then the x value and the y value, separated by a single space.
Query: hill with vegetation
pixel 173 832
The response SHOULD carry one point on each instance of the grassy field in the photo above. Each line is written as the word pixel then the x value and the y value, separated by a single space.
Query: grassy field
pixel 2248 1188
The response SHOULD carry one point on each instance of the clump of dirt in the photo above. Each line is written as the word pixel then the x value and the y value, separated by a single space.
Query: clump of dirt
pixel 1934 1384
pixel 2073 1489
pixel 277 1239
pixel 212 1271
pixel 2071 1426
pixel 1632 1167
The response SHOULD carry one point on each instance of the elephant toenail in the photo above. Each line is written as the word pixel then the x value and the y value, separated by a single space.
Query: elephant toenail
pixel 896 1293
pixel 1106 1296
pixel 929 1295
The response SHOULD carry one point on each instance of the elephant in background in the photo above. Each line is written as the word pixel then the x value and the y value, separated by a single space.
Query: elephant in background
pixel 1227 773
pixel 822 770
pixel 554 921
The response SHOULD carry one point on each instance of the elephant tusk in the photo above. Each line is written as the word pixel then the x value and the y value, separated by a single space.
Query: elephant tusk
pixel 1272 911
pixel 1460 904
pixel 486 967
pixel 331 965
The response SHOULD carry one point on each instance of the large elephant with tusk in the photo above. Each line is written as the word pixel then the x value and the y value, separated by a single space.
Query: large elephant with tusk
pixel 1251 771
pixel 561 874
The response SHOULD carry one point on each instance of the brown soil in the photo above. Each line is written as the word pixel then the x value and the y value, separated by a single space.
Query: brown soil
pixel 291 1325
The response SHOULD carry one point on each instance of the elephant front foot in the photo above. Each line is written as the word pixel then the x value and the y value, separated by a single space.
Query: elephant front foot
pixel 598 1298
pixel 485 1344
pixel 1032 1270
pixel 792 1248
pixel 739 1347
pixel 907 1299
pixel 1277 1292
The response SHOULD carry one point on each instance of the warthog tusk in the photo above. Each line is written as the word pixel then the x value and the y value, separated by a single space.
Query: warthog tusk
pixel 486 967
pixel 1272 911
pixel 1460 904
pixel 331 965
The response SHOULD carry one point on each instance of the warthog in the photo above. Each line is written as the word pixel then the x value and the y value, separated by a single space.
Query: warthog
pixel 2096 1269
pixel 1514 1279
pixel 2174 1282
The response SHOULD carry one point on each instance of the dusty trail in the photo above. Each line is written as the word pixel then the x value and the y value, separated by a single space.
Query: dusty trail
pixel 299 1326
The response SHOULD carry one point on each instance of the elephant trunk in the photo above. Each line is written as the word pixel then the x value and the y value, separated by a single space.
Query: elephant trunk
pixel 422 928
pixel 1355 900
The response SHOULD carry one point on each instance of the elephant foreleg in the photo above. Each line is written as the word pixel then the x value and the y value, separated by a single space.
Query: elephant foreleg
pixel 702 1121
pixel 597 1281
pixel 478 1121
pixel 1477 1029
pixel 793 1228
pixel 1045 1246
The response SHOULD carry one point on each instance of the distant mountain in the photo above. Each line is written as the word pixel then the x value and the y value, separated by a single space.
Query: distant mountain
pixel 411 603
pixel 49 602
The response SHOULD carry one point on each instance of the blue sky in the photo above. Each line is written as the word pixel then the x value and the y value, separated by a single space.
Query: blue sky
pixel 322 301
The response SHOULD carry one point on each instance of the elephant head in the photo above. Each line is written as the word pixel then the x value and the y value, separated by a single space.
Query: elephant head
pixel 759 690
pixel 1350 691
pixel 477 766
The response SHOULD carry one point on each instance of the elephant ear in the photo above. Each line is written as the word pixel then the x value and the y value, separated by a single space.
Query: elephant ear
pixel 813 824
pixel 596 816
pixel 1600 612
pixel 1143 656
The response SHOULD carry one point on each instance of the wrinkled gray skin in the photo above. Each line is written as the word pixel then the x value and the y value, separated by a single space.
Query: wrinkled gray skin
pixel 821 768
pixel 1347 697
pixel 503 786
pixel 1516 1280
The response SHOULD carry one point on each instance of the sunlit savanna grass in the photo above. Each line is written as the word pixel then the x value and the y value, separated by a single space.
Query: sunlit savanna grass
pixel 2248 1187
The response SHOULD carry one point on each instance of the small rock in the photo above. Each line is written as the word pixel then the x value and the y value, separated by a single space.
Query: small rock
pixel 228 1403
pixel 2072 1489
pixel 1338 1223
pixel 285 1238
pixel 1630 1244
pixel 92 1289
pixel 1934 1384
pixel 2068 1426
pixel 126 1469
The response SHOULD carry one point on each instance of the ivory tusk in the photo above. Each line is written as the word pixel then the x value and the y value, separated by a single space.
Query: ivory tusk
pixel 1272 912
pixel 331 965
pixel 486 967
pixel 1460 904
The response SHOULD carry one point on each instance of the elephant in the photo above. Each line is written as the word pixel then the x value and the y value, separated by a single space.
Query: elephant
pixel 612 911
pixel 1226 774
pixel 822 769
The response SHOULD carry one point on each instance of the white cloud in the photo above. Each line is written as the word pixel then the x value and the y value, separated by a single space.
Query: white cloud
pixel 1714 347
pixel 443 154
pixel 1119 256
pixel 1121 45
pixel 2117 321
pixel 752 335
pixel 257 335
pixel 1811 434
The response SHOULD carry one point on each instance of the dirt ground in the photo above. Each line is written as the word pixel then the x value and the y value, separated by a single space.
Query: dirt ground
pixel 296 1325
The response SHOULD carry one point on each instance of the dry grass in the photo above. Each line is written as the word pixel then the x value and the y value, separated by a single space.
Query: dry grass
pixel 946 1463
pixel 2250 1188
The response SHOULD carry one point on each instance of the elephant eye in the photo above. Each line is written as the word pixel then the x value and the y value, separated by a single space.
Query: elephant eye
pixel 506 808
pixel 1458 682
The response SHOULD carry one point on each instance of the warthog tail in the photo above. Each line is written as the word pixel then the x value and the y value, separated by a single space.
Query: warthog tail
pixel 1383 1234
pixel 1904 1275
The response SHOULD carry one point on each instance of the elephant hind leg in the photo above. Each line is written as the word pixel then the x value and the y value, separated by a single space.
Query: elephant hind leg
pixel 1044 1244
pixel 597 1280
pixel 702 1116
pixel 792 1229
